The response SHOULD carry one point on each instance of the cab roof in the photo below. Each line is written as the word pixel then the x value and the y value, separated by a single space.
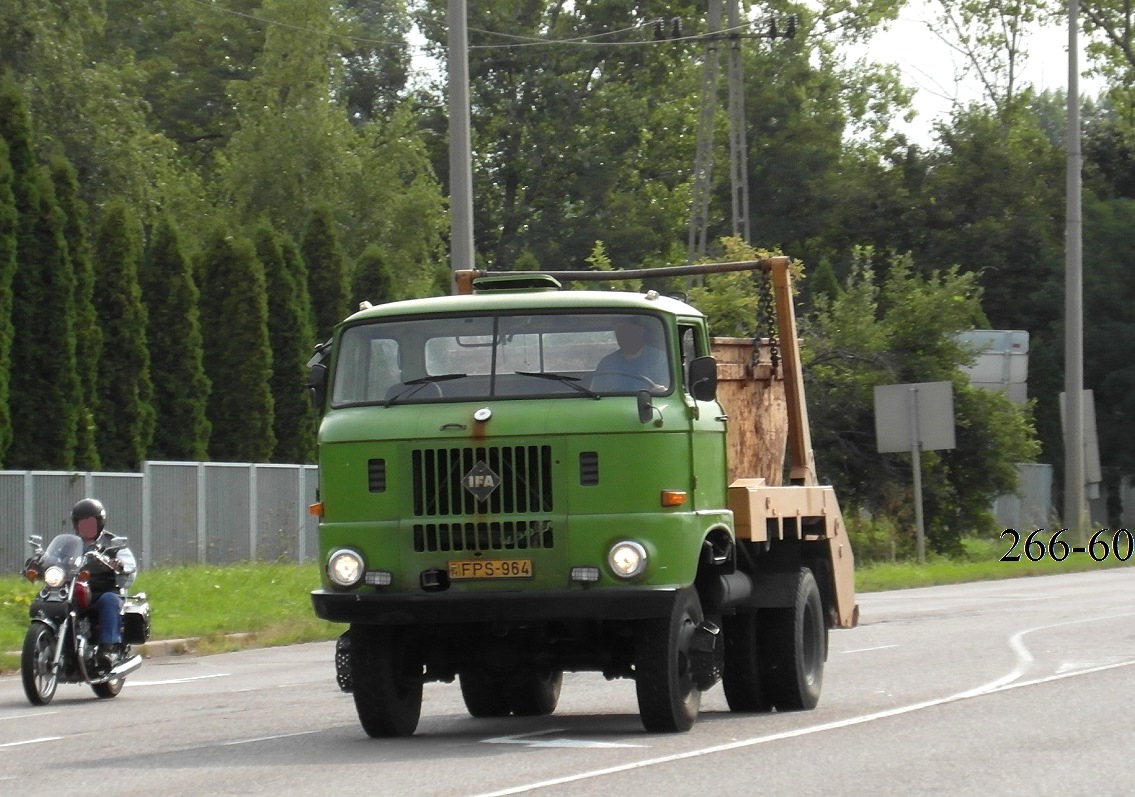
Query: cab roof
pixel 535 301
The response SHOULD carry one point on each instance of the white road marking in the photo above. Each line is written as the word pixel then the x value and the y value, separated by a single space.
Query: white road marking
pixel 866 650
pixel 40 713
pixel 268 738
pixel 32 741
pixel 524 739
pixel 178 680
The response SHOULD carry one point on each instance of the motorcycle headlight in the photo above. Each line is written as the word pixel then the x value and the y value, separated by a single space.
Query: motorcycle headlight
pixel 627 559
pixel 345 567
pixel 53 576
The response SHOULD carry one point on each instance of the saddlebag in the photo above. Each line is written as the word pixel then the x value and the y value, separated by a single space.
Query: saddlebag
pixel 136 622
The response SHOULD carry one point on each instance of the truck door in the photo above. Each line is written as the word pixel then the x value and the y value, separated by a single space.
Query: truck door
pixel 708 467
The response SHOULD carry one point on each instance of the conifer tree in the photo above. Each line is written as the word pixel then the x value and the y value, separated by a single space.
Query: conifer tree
pixel 7 269
pixel 238 358
pixel 292 338
pixel 43 395
pixel 327 273
pixel 181 389
pixel 372 281
pixel 125 391
pixel 88 334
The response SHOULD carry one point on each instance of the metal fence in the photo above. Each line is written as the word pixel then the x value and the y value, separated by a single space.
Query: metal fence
pixel 174 513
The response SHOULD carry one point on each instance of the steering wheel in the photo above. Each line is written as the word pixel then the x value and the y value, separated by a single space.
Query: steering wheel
pixel 647 382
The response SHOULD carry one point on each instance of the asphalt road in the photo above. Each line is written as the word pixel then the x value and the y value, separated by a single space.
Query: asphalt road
pixel 1000 688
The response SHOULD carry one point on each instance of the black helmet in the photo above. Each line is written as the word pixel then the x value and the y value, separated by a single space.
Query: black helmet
pixel 88 507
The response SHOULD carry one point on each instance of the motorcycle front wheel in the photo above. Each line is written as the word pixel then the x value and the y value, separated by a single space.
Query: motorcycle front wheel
pixel 39 677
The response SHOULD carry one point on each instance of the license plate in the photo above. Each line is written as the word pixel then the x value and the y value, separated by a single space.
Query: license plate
pixel 490 568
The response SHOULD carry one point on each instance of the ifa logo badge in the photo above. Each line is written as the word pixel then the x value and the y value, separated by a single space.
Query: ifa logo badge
pixel 481 481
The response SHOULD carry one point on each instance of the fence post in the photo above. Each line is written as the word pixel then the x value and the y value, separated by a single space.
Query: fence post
pixel 29 505
pixel 301 513
pixel 202 529
pixel 252 503
pixel 147 515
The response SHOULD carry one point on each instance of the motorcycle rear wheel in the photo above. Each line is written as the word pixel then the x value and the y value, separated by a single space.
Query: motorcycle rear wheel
pixel 108 689
pixel 39 678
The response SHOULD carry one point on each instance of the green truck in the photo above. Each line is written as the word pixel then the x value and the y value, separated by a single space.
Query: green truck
pixel 519 481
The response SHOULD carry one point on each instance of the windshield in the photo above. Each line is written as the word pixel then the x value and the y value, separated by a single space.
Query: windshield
pixel 500 356
pixel 65 550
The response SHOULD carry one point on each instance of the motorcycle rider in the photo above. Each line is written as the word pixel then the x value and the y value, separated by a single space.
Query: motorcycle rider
pixel 118 571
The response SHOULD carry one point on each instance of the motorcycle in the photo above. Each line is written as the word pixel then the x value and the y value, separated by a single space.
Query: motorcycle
pixel 58 646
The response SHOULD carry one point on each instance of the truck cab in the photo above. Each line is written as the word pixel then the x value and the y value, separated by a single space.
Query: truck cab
pixel 523 481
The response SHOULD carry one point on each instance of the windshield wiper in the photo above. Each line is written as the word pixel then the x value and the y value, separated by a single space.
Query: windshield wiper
pixel 414 385
pixel 570 381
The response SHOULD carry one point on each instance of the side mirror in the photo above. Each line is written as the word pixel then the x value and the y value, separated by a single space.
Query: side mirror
pixel 317 375
pixel 703 378
pixel 317 384
pixel 645 407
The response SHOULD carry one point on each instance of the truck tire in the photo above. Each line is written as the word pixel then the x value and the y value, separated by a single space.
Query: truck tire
pixel 386 681
pixel 536 694
pixel 484 695
pixel 742 679
pixel 668 699
pixel 795 647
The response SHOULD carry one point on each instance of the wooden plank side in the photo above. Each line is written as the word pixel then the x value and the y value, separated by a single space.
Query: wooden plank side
pixel 751 389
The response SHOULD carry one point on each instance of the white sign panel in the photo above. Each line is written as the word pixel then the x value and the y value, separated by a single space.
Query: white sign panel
pixel 898 406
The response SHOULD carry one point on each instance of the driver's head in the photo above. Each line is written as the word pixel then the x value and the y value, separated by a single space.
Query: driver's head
pixel 630 336
pixel 89 518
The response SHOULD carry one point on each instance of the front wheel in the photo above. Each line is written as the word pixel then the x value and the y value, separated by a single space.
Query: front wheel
pixel 668 697
pixel 36 665
pixel 386 680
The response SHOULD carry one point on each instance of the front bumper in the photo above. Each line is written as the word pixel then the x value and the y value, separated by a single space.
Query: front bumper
pixel 377 608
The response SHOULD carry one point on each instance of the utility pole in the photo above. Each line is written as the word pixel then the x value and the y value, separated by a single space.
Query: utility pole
pixel 738 148
pixel 460 147
pixel 1075 514
pixel 703 157
pixel 702 185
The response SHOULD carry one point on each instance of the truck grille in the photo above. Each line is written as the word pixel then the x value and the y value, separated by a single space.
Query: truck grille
pixel 503 536
pixel 523 480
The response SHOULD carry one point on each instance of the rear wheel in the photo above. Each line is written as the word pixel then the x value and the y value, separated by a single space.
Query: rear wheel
pixel 109 689
pixel 536 694
pixel 796 645
pixel 668 698
pixel 484 694
pixel 39 677
pixel 742 680
pixel 386 680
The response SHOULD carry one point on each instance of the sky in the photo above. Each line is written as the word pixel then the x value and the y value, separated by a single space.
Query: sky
pixel 928 66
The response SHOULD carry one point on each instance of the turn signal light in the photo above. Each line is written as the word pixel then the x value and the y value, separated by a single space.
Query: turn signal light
pixel 673 497
pixel 316 509
pixel 31 574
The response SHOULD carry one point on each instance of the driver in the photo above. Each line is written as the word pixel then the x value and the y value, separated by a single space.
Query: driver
pixel 88 516
pixel 634 365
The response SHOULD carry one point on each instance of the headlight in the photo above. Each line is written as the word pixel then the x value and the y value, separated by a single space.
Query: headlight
pixel 53 576
pixel 627 559
pixel 345 567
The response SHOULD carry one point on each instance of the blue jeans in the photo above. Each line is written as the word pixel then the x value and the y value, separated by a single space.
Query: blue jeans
pixel 108 609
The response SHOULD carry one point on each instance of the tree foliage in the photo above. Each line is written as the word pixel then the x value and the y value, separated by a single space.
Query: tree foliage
pixel 237 354
pixel 292 339
pixel 125 390
pixel 8 222
pixel 898 329
pixel 181 388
